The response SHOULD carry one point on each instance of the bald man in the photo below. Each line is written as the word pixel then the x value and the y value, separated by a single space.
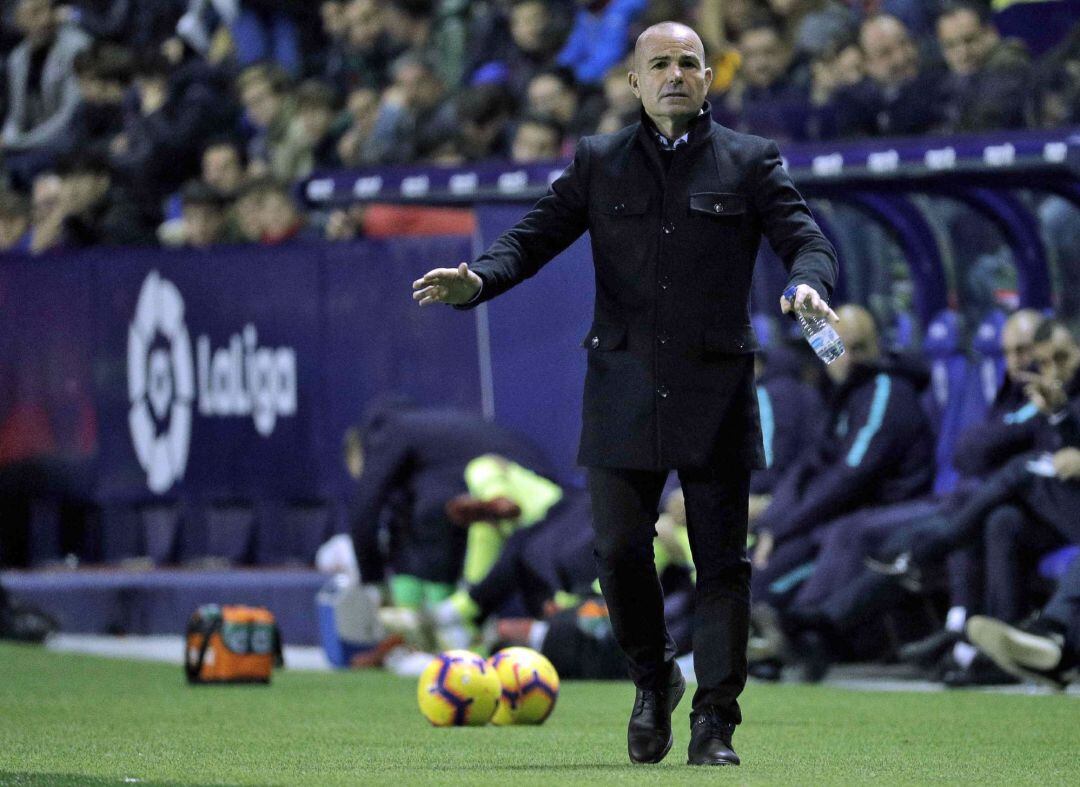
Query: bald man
pixel 891 99
pixel 1008 430
pixel 675 206
pixel 877 448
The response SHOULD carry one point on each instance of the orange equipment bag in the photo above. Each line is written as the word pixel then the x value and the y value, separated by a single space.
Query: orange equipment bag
pixel 231 644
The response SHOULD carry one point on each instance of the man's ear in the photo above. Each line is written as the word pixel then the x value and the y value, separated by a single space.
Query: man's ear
pixel 708 79
pixel 632 77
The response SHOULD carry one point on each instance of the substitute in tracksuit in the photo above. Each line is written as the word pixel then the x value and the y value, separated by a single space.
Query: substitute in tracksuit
pixel 408 462
pixel 1049 496
pixel 1008 430
pixel 877 448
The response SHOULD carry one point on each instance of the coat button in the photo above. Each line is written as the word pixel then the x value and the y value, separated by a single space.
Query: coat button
pixel 594 342
pixel 619 207
pixel 665 282
pixel 718 207
pixel 668 228
pixel 663 338
pixel 663 391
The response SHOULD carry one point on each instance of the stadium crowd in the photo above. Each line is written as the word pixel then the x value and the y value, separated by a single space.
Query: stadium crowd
pixel 187 122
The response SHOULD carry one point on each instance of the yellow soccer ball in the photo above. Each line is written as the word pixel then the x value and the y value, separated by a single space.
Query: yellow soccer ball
pixel 458 689
pixel 530 686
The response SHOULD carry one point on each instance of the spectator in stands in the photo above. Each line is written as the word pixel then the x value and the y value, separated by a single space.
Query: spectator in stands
pixel 96 210
pixel 553 93
pixel 892 99
pixel 431 28
pixel 222 166
pixel 537 138
pixel 408 106
pixel 247 214
pixel 265 92
pixel 204 219
pixel 599 38
pixel 104 72
pixel 281 219
pixel 483 115
pixel 535 37
pixel 809 26
pixel 358 121
pixel 267 30
pixel 989 78
pixel 834 69
pixel 14 222
pixel 43 91
pixel 161 143
pixel 771 88
pixel 309 142
pixel 359 56
pixel 877 448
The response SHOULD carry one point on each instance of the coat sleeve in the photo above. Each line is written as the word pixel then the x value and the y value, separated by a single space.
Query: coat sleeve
pixel 556 221
pixel 790 227
pixel 879 427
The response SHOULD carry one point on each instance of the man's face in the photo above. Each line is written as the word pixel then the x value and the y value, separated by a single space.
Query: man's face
pixel 278 213
pixel 669 73
pixel 535 142
pixel 1017 345
pixel 34 18
pixel 528 25
pixel 364 24
pixel 1058 358
pixel 203 225
pixel 249 217
pixel 550 97
pixel 765 57
pixel 82 190
pixel 261 102
pixel 334 21
pixel 221 169
pixel 964 41
pixel 421 88
pixel 891 57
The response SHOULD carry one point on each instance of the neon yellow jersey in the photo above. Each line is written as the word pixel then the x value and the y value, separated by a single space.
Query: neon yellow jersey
pixel 491 476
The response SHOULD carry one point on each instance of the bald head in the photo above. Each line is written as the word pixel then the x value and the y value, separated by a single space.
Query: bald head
pixel 891 56
pixel 859 333
pixel 1017 341
pixel 670 76
pixel 663 32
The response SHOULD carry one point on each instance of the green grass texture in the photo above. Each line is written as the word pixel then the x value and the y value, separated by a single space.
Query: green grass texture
pixel 81 720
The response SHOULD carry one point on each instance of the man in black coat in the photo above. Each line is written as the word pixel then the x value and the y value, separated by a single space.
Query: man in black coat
pixel 675 206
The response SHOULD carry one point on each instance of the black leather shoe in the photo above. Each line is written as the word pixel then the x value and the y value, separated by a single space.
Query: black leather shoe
pixel 710 740
pixel 928 651
pixel 648 737
pixel 980 672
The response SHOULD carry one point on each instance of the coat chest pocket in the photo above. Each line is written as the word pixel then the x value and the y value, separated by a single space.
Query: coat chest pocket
pixel 718 205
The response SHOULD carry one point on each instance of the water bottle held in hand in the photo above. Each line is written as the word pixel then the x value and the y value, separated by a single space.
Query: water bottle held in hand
pixel 821 336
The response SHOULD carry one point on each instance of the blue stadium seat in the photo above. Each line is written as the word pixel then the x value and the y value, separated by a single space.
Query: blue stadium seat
pixel 1054 564
pixel 290 533
pixel 948 369
pixel 989 368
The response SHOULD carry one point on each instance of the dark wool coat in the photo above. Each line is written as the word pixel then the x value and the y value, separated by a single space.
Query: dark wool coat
pixel 670 379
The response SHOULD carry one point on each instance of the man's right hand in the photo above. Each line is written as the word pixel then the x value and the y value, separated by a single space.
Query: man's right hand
pixel 454 286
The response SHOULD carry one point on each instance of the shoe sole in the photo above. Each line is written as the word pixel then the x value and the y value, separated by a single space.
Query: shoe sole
pixel 679 691
pixel 1015 651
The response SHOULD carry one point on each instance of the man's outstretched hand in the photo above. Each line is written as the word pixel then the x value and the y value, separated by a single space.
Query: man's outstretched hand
pixel 807 301
pixel 447 285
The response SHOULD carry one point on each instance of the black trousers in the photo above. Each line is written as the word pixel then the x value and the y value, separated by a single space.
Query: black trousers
pixel 625 508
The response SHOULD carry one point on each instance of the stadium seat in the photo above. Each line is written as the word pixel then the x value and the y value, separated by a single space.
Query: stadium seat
pixel 290 533
pixel 989 368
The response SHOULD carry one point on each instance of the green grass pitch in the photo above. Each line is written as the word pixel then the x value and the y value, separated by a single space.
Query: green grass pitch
pixel 69 719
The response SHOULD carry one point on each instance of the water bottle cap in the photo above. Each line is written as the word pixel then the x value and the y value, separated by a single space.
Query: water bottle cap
pixel 789 293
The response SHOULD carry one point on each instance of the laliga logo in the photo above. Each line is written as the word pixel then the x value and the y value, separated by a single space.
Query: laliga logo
pixel 241 379
pixel 161 383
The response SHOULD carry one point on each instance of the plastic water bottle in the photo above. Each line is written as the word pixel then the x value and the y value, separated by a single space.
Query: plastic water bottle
pixel 822 337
